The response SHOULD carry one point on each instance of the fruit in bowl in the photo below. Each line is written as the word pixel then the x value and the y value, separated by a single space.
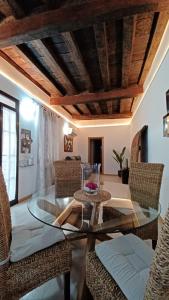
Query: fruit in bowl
pixel 91 187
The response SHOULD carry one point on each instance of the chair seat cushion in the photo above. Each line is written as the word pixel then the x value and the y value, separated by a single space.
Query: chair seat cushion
pixel 30 235
pixel 26 241
pixel 127 259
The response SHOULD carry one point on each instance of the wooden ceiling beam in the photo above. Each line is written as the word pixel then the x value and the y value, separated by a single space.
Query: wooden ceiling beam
pixel 17 10
pixel 97 108
pixel 129 92
pixel 22 71
pixel 51 87
pixel 125 105
pixel 162 21
pixel 11 8
pixel 83 108
pixel 50 59
pixel 72 18
pixel 102 49
pixel 129 29
pixel 102 116
pixel 5 8
pixel 76 57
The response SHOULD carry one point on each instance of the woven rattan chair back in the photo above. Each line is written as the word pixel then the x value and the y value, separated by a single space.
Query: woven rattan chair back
pixel 145 183
pixel 67 169
pixel 67 177
pixel 5 220
pixel 158 282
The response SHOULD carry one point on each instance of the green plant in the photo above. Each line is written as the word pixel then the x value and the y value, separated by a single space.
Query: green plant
pixel 119 157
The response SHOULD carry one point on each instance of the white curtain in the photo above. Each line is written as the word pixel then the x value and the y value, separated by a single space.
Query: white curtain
pixel 47 149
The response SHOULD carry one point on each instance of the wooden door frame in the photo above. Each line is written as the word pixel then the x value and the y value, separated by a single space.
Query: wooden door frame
pixel 102 154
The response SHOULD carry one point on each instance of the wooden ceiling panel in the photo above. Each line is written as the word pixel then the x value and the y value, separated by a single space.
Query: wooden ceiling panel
pixel 143 24
pixel 114 40
pixel 97 108
pixel 71 109
pixel 103 116
pixel 91 108
pixel 76 60
pixel 103 107
pixel 129 30
pixel 135 71
pixel 125 105
pixel 160 23
pixel 87 45
pixel 5 8
pixel 83 107
pixel 102 50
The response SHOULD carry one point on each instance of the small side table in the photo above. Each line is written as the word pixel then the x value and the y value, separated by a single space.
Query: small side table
pixel 83 196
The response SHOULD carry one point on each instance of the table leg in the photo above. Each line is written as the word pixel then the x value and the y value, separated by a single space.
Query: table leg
pixel 83 291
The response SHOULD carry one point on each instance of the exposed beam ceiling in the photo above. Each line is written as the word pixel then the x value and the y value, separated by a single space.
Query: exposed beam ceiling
pixel 76 56
pixel 129 29
pixel 52 62
pixel 153 45
pixel 129 92
pixel 102 49
pixel 103 116
pixel 36 73
pixel 72 18
pixel 6 8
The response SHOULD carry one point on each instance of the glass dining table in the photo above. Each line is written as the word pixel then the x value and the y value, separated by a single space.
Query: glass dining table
pixel 90 217
pixel 93 217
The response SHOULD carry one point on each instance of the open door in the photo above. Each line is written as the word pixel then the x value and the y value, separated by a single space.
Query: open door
pixel 95 151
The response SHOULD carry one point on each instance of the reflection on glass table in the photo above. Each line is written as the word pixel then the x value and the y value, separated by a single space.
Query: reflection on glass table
pixel 110 216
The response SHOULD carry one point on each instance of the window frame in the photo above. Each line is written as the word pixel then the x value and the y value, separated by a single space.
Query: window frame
pixel 16 109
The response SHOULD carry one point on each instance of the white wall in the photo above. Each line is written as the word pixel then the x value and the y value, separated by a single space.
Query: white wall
pixel 115 137
pixel 151 112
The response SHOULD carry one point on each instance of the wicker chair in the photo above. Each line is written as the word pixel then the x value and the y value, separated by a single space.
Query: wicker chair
pixel 67 177
pixel 103 287
pixel 145 184
pixel 17 279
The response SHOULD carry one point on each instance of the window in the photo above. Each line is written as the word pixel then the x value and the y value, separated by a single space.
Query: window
pixel 9 145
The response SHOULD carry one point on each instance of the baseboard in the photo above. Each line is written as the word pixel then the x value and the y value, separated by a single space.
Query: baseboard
pixel 24 198
pixel 108 174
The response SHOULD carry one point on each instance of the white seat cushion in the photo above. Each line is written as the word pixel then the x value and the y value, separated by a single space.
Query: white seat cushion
pixel 26 241
pixel 127 259
pixel 30 235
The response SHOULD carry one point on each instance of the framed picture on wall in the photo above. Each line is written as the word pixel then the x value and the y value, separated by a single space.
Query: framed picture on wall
pixel 166 125
pixel 68 143
pixel 26 141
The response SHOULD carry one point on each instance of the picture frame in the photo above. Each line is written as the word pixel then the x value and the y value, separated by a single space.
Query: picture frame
pixel 68 143
pixel 166 125
pixel 26 141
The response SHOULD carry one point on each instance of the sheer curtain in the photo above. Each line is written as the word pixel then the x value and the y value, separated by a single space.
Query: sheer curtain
pixel 47 149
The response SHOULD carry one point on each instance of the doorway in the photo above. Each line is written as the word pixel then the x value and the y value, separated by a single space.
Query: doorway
pixel 9 139
pixel 95 151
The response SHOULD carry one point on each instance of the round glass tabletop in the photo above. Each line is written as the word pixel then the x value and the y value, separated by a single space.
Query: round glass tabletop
pixel 113 215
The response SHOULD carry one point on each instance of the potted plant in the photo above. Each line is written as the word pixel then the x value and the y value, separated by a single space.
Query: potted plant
pixel 125 173
pixel 119 157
